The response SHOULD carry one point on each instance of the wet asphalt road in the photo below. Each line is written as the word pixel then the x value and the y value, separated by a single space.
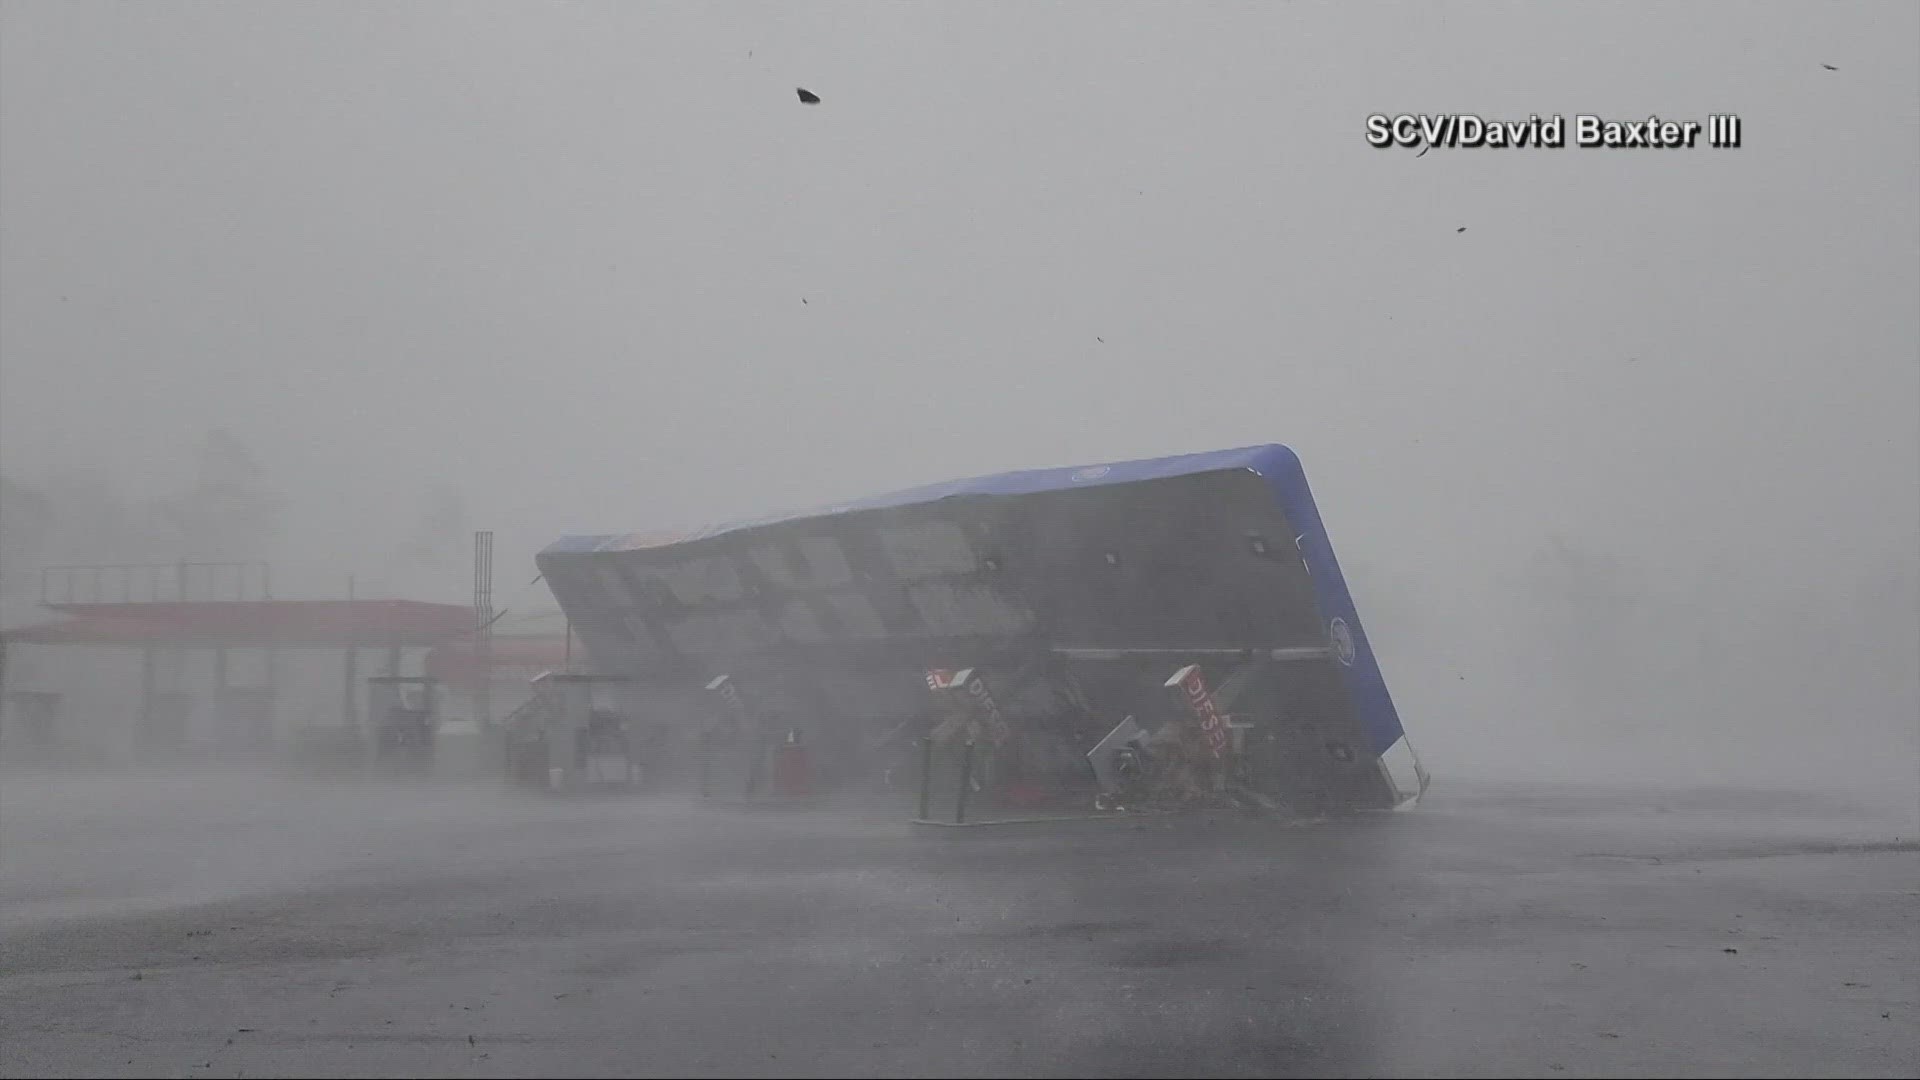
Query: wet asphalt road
pixel 229 926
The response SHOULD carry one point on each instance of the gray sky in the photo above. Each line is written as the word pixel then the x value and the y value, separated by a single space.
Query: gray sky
pixel 555 257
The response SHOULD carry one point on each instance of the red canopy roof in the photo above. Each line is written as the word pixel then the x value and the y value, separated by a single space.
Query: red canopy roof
pixel 514 660
pixel 295 624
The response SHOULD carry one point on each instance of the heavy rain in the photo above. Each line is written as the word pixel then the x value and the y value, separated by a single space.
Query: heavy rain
pixel 1063 539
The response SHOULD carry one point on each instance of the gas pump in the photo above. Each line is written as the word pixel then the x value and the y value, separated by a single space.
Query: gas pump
pixel 570 735
pixel 734 732
pixel 404 712
pixel 744 749
pixel 1215 759
pixel 603 746
pixel 978 726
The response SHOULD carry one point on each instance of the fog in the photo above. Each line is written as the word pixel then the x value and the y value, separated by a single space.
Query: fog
pixel 550 269
pixel 1619 450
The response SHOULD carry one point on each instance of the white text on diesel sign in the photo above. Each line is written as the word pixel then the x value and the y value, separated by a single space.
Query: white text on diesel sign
pixel 1465 131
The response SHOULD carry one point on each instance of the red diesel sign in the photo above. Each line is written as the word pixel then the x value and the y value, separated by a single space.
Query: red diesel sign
pixel 977 695
pixel 1212 725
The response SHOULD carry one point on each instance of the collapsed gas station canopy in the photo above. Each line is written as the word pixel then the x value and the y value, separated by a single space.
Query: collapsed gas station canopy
pixel 286 624
pixel 1082 589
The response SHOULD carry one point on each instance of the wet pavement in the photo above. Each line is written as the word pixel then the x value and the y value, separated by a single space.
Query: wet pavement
pixel 250 926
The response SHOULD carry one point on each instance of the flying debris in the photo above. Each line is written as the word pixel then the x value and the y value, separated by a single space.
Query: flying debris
pixel 807 97
pixel 1101 340
pixel 1829 67
pixel 1461 229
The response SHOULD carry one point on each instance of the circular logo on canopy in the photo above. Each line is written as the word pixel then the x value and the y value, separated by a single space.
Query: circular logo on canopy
pixel 1094 472
pixel 1342 641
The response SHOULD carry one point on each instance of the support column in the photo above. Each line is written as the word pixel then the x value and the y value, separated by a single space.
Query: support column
pixel 9 712
pixel 350 692
pixel 483 693
pixel 266 723
pixel 222 700
pixel 146 735
pixel 350 698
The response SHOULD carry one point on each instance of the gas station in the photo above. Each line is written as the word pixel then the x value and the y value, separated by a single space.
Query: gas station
pixel 197 660
pixel 1166 633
